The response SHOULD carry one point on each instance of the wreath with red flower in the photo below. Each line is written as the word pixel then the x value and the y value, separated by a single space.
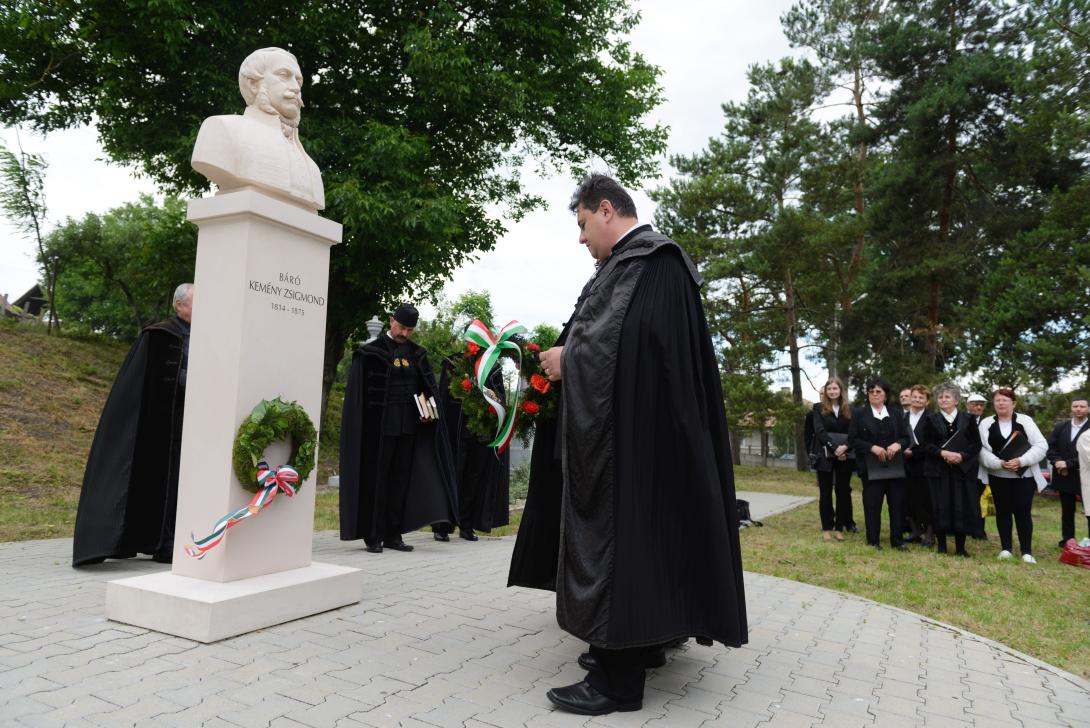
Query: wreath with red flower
pixel 536 398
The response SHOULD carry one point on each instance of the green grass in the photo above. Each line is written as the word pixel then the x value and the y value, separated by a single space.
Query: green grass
pixel 53 390
pixel 1042 610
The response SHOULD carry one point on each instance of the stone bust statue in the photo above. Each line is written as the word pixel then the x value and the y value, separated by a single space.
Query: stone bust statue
pixel 261 147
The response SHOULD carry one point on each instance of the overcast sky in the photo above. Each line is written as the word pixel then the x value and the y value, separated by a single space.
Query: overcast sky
pixel 703 47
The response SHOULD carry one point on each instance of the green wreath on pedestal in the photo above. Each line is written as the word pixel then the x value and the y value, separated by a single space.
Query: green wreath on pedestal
pixel 272 421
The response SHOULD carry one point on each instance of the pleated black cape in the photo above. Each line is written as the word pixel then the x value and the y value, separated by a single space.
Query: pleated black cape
pixel 130 483
pixel 649 547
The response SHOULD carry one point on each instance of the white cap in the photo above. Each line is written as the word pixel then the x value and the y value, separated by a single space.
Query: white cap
pixel 974 397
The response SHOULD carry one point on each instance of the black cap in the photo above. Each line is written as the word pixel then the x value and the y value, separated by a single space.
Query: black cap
pixel 407 315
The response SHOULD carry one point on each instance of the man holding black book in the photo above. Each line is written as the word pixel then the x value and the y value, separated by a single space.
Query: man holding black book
pixel 396 470
pixel 1064 457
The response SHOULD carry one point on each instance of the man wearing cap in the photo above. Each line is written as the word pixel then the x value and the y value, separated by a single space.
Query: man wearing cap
pixel 396 471
pixel 974 405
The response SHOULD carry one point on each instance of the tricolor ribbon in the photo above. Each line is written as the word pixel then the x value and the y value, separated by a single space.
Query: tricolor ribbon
pixel 492 347
pixel 271 482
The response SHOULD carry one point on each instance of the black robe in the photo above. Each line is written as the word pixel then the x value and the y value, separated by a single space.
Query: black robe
pixel 537 546
pixel 432 497
pixel 483 477
pixel 955 500
pixel 128 501
pixel 649 548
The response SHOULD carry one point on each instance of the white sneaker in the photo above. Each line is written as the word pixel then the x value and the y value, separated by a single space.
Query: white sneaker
pixel 1004 554
pixel 1028 558
pixel 1085 542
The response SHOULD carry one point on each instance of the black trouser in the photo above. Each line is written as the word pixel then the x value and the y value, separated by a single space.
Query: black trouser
pixel 839 479
pixel 392 488
pixel 874 491
pixel 1014 497
pixel 1067 516
pixel 918 501
pixel 620 674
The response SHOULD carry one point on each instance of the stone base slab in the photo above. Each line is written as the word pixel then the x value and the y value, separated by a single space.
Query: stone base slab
pixel 208 611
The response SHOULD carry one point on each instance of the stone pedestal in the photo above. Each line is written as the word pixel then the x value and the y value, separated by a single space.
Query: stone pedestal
pixel 259 310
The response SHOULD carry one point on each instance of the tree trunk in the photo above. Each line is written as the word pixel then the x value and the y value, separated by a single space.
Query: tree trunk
pixel 796 370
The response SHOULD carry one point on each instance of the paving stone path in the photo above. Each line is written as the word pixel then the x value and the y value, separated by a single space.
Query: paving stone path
pixel 439 641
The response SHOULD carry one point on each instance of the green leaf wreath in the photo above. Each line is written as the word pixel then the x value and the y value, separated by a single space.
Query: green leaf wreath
pixel 271 421
pixel 537 400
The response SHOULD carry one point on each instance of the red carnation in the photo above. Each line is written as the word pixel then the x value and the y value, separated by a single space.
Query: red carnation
pixel 540 383
pixel 533 347
pixel 530 408
pixel 472 349
pixel 466 385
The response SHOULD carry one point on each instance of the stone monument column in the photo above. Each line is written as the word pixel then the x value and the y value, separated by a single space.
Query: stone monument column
pixel 260 302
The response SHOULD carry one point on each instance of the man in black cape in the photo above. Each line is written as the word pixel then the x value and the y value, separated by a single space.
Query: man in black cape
pixel 129 498
pixel 482 475
pixel 396 472
pixel 649 548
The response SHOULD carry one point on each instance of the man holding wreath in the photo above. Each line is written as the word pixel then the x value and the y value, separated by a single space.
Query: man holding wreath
pixel 649 550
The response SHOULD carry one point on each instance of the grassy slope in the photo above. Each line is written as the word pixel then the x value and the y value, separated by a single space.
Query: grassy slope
pixel 52 390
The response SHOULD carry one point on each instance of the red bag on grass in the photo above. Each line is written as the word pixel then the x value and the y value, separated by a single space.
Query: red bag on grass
pixel 1075 555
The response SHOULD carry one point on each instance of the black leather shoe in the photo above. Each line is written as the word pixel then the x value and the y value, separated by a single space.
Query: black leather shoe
pixel 468 534
pixel 440 536
pixel 654 659
pixel 963 554
pixel 399 546
pixel 1060 544
pixel 162 557
pixel 900 547
pixel 852 529
pixel 875 546
pixel 583 699
pixel 375 549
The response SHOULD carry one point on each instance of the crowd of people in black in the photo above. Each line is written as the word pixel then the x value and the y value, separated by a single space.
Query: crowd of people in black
pixel 931 466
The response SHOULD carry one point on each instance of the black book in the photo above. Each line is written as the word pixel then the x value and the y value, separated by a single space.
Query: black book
pixel 885 469
pixel 959 443
pixel 838 439
pixel 1016 446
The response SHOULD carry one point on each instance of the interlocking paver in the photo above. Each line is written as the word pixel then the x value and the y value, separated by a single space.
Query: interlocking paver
pixel 440 641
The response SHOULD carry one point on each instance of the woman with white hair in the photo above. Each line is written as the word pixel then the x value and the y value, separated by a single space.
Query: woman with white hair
pixel 1013 478
pixel 951 467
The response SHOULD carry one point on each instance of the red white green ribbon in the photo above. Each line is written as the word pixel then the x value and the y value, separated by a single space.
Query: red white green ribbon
pixel 492 347
pixel 271 482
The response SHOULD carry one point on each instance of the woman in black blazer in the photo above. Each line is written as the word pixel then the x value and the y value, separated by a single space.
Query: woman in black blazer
pixel 834 461
pixel 880 433
pixel 952 470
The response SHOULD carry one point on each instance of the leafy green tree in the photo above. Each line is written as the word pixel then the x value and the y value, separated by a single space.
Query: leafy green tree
pixel 119 270
pixel 841 33
pixel 420 114
pixel 939 198
pixel 736 210
pixel 22 198
pixel 1032 317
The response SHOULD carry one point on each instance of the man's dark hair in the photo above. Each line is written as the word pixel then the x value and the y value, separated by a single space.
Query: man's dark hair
pixel 598 187
pixel 1079 398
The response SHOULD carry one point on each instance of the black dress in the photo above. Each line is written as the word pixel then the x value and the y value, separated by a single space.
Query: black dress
pixel 955 501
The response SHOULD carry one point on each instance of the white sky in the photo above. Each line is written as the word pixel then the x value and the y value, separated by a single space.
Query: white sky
pixel 536 271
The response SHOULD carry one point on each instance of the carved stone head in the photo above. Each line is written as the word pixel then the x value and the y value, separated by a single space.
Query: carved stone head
pixel 271 80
